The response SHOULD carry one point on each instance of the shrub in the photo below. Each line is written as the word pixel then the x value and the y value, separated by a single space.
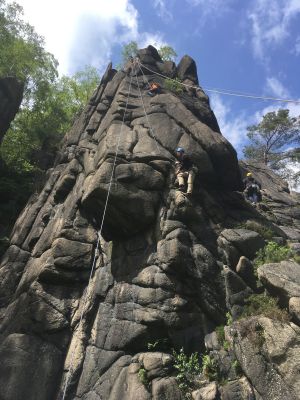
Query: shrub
pixel 229 319
pixel 220 334
pixel 174 85
pixel 237 367
pixel 188 368
pixel 142 374
pixel 209 367
pixel 262 304
pixel 263 230
pixel 271 253
pixel 159 345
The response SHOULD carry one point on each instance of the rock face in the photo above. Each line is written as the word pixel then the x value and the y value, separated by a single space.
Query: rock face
pixel 11 94
pixel 159 268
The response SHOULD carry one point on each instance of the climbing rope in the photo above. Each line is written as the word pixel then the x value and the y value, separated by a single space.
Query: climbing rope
pixel 145 112
pixel 99 233
pixel 221 91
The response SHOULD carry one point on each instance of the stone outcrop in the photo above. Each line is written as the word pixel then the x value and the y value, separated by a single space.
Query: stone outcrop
pixel 11 94
pixel 167 267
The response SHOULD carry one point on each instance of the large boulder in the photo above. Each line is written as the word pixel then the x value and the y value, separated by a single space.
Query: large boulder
pixel 110 259
pixel 282 279
pixel 11 95
pixel 235 243
pixel 269 354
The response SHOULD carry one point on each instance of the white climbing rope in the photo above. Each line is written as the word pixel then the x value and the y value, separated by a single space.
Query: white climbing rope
pixel 145 112
pixel 221 91
pixel 99 232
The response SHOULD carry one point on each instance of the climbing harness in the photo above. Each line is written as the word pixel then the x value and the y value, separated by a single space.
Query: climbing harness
pixel 98 238
pixel 221 91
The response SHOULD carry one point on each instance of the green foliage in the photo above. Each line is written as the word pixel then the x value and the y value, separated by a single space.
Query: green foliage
pixel 142 374
pixel 220 334
pixel 263 304
pixel 271 253
pixel 297 258
pixel 22 51
pixel 229 319
pixel 237 367
pixel 30 145
pixel 271 136
pixel 39 128
pixel 159 345
pixel 266 232
pixel 167 53
pixel 129 51
pixel 174 85
pixel 188 368
pixel 209 367
pixel 226 345
pixel 221 337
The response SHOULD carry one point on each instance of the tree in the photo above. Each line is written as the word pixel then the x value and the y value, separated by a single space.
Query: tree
pixel 272 139
pixel 22 51
pixel 130 50
pixel 167 53
pixel 30 145
pixel 38 129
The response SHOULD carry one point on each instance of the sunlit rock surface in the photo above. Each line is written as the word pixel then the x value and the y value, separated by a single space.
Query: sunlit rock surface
pixel 166 265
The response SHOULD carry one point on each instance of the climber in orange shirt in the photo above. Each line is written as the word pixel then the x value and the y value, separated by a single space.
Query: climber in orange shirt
pixel 154 88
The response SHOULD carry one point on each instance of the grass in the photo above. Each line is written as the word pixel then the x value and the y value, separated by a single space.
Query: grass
pixel 263 304
pixel 221 337
pixel 271 253
pixel 209 368
pixel 142 374
pixel 263 230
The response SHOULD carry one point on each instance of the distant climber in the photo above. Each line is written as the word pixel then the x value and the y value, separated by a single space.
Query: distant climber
pixel 185 171
pixel 154 88
pixel 252 189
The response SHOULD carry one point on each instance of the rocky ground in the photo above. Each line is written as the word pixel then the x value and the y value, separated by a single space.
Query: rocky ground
pixel 171 273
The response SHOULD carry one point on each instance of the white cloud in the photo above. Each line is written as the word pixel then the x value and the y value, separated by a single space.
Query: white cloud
pixel 233 128
pixel 270 22
pixel 296 49
pixel 276 88
pixel 85 32
pixel 294 110
pixel 211 8
pixel 163 10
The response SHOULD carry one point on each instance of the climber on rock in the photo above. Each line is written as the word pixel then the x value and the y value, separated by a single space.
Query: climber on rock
pixel 252 189
pixel 185 171
pixel 153 89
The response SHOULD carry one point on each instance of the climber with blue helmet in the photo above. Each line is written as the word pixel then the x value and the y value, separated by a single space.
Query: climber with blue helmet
pixel 184 170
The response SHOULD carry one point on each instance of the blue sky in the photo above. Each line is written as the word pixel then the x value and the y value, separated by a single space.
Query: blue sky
pixel 250 46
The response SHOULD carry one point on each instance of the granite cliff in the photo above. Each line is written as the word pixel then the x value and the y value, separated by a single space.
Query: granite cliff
pixel 167 267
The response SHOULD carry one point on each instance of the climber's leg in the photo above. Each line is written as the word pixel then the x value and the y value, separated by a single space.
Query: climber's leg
pixel 181 180
pixel 190 181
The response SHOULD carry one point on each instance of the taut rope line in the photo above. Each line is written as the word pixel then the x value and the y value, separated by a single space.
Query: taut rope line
pixel 221 91
pixel 146 115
